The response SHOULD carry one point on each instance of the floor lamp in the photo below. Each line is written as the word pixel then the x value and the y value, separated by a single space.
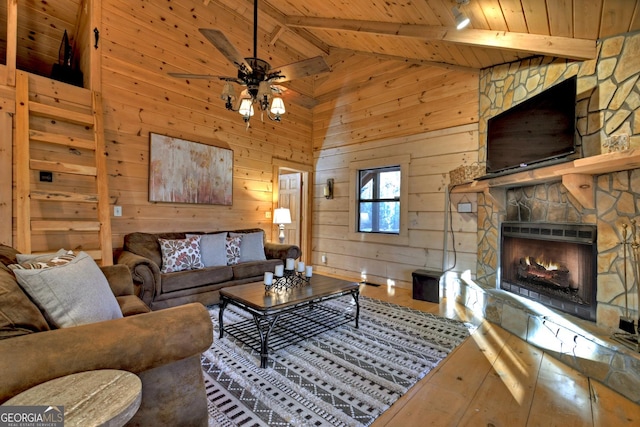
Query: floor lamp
pixel 281 216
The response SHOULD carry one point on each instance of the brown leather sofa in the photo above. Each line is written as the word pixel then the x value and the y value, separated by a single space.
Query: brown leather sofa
pixel 163 348
pixel 142 254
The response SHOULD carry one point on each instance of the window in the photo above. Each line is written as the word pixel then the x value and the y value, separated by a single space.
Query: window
pixel 379 200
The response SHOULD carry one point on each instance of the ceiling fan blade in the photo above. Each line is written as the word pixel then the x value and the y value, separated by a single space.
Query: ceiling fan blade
pixel 206 77
pixel 300 69
pixel 294 96
pixel 220 41
pixel 195 76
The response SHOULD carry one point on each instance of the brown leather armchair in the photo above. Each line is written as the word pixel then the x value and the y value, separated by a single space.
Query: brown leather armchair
pixel 163 348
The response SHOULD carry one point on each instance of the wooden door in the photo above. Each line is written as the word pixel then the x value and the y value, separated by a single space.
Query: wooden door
pixel 289 196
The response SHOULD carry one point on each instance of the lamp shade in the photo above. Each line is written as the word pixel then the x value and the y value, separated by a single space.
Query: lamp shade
pixel 277 106
pixel 228 92
pixel 246 107
pixel 264 90
pixel 281 216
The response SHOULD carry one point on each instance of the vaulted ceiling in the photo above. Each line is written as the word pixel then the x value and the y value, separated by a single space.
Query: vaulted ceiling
pixel 413 31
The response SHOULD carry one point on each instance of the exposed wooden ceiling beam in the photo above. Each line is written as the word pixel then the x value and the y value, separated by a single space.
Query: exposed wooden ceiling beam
pixel 300 32
pixel 276 33
pixel 415 61
pixel 563 47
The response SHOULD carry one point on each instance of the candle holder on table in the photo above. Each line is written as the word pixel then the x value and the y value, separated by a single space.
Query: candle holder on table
pixel 288 278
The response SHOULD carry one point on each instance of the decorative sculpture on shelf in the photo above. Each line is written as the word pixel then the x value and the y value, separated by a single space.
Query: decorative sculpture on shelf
pixel 65 70
pixel 285 278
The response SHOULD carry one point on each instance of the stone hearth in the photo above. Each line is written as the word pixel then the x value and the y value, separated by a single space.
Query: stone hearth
pixel 584 345
pixel 577 343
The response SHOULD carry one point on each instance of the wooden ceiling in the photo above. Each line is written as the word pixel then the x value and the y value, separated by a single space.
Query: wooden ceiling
pixel 413 31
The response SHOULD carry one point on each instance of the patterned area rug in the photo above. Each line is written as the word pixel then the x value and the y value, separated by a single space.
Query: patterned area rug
pixel 342 377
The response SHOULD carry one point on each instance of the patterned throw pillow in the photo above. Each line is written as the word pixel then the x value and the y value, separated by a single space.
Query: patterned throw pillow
pixel 233 249
pixel 180 254
pixel 61 257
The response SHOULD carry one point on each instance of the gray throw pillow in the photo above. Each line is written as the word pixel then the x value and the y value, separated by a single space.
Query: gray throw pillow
pixel 212 249
pixel 72 294
pixel 251 247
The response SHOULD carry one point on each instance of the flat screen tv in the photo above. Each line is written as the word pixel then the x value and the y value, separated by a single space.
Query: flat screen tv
pixel 534 132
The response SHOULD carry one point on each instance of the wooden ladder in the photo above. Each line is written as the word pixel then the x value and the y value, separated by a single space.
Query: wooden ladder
pixel 59 130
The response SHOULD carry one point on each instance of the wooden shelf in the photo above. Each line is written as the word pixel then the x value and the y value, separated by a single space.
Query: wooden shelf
pixel 576 176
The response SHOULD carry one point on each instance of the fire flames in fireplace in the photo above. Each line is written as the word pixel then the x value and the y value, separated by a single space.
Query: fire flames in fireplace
pixel 548 273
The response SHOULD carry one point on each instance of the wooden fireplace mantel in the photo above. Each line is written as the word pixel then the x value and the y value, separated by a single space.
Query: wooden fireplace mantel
pixel 576 176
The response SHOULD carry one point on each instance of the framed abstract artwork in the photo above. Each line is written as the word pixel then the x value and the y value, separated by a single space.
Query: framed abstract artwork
pixel 182 171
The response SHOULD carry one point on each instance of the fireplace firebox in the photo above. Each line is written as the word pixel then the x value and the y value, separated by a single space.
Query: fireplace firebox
pixel 554 264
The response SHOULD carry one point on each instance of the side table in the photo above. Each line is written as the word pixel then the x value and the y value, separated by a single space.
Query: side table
pixel 105 397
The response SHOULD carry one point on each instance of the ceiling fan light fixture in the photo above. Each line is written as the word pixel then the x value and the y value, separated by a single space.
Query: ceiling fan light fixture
pixel 246 108
pixel 277 107
pixel 264 90
pixel 264 94
pixel 228 95
pixel 256 75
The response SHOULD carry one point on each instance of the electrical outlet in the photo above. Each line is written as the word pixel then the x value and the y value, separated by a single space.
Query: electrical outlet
pixel 267 214
pixel 117 211
pixel 324 258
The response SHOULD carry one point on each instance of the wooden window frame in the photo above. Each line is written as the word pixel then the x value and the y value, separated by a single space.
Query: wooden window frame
pixel 402 238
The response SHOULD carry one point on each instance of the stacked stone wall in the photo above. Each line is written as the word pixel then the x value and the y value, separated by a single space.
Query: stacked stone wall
pixel 608 109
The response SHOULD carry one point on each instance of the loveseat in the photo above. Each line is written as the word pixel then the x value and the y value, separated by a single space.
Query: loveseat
pixel 159 288
pixel 163 348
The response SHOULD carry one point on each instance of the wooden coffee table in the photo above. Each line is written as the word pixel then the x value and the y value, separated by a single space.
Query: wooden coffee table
pixel 282 318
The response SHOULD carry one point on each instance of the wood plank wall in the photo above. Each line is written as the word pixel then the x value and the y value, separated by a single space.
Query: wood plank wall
pixel 372 109
pixel 368 107
pixel 142 42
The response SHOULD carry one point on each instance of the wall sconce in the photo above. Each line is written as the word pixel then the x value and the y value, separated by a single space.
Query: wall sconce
pixel 328 189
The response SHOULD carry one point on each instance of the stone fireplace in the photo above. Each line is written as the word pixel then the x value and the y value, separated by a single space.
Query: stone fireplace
pixel 616 198
pixel 606 85
pixel 608 104
pixel 553 264
pixel 535 211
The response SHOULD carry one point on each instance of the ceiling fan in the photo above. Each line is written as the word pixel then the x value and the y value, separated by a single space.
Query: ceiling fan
pixel 256 74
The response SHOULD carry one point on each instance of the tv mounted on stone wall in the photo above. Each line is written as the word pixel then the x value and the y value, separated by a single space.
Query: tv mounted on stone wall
pixel 537 132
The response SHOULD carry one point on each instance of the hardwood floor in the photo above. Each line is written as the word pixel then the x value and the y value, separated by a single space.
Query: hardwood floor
pixel 495 379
